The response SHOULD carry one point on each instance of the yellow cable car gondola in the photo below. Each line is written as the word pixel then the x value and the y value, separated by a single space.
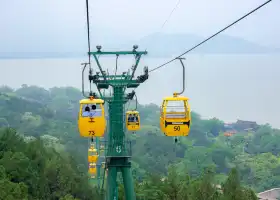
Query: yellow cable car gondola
pixel 92 122
pixel 92 169
pixel 92 155
pixel 175 118
pixel 132 120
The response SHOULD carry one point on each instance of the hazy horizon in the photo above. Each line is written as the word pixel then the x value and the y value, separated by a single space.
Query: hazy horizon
pixel 228 87
pixel 50 25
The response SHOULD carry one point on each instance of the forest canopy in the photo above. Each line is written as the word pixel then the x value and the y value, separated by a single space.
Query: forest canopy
pixel 44 140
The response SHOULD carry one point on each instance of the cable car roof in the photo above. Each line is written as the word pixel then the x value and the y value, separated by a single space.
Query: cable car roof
pixel 178 98
pixel 132 112
pixel 91 149
pixel 88 101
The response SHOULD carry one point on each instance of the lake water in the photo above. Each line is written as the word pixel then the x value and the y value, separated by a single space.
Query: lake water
pixel 229 87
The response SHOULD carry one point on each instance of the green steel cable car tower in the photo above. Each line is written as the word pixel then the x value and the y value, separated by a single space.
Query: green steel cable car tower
pixel 117 148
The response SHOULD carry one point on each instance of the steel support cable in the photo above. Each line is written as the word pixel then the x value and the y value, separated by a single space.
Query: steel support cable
pixel 88 38
pixel 170 14
pixel 191 49
pixel 177 4
pixel 167 19
pixel 88 32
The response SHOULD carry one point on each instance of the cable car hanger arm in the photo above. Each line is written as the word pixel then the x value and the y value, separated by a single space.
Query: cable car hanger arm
pixel 83 85
pixel 136 102
pixel 138 57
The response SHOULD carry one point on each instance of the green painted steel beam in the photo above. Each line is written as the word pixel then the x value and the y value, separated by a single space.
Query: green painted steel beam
pixel 133 85
pixel 99 66
pixel 115 82
pixel 118 76
pixel 103 86
pixel 118 53
pixel 135 66
pixel 117 150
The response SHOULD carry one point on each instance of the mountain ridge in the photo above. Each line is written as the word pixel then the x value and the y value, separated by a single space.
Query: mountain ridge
pixel 157 45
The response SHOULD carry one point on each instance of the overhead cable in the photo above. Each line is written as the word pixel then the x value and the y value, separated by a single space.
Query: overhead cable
pixel 191 49
pixel 171 13
pixel 169 16
pixel 88 31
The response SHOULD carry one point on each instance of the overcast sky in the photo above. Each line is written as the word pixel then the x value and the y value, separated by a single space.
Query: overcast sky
pixel 63 21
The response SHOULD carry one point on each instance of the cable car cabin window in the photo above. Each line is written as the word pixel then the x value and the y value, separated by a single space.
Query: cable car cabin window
pixel 92 166
pixel 176 109
pixel 132 118
pixel 91 110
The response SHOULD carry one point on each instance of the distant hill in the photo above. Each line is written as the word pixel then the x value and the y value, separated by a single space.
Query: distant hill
pixel 158 45
pixel 173 44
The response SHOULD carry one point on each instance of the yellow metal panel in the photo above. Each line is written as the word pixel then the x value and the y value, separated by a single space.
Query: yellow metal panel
pixel 92 122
